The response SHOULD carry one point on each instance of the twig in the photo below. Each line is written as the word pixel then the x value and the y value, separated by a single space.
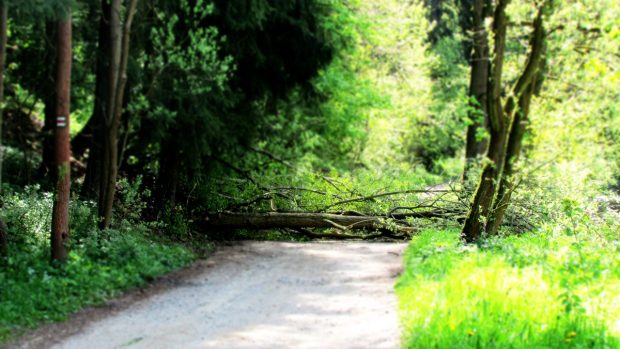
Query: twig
pixel 376 196
pixel 271 156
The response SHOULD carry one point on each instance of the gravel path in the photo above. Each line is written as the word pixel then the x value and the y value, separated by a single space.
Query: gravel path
pixel 266 295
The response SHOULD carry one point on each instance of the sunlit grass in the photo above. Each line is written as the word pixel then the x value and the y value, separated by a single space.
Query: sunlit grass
pixel 522 292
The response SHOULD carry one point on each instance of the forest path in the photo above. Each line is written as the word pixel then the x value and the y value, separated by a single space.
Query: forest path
pixel 265 295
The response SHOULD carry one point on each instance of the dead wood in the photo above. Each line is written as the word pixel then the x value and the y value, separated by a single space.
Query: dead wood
pixel 291 220
pixel 388 226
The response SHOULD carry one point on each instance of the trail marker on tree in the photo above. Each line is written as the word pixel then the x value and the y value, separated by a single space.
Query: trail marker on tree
pixel 62 148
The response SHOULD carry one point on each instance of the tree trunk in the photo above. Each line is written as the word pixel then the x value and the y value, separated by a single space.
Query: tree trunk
pixel 479 62
pixel 485 194
pixel 115 122
pixel 3 40
pixel 525 88
pixel 47 170
pixel 507 129
pixel 113 74
pixel 297 221
pixel 93 134
pixel 60 214
pixel 515 141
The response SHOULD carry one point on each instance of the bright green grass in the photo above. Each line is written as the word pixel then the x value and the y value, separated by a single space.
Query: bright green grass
pixel 532 291
pixel 33 292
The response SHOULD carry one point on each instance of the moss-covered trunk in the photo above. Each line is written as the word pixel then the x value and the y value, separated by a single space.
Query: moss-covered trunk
pixel 524 91
pixel 506 128
pixel 487 187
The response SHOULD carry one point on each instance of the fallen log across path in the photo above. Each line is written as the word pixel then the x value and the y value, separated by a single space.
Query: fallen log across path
pixel 292 221
pixel 299 221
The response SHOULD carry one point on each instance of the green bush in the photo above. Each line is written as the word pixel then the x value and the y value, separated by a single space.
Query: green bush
pixel 100 265
pixel 540 290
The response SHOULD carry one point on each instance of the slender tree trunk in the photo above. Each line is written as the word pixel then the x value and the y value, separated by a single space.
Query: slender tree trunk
pixel 60 214
pixel 515 141
pixel 120 58
pixel 524 91
pixel 3 40
pixel 490 201
pixel 113 74
pixel 485 194
pixel 47 169
pixel 94 131
pixel 479 62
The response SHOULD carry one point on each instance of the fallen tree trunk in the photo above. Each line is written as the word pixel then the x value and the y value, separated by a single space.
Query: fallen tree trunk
pixel 291 220
pixel 302 220
pixel 343 236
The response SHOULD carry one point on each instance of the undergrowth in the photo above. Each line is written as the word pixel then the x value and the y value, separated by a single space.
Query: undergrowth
pixel 101 263
pixel 555 288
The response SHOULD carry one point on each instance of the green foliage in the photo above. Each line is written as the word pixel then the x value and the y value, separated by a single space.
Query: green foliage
pixel 218 75
pixel 539 290
pixel 185 76
pixel 555 287
pixel 440 135
pixel 20 165
pixel 305 190
pixel 571 134
pixel 39 8
pixel 101 263
pixel 290 105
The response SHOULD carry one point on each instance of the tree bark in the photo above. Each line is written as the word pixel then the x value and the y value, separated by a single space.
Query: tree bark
pixel 113 74
pixel 47 170
pixel 524 90
pixel 120 38
pixel 485 194
pixel 492 196
pixel 297 221
pixel 93 134
pixel 478 89
pixel 60 214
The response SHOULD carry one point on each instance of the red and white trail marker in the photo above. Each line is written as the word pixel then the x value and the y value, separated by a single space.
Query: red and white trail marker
pixel 61 121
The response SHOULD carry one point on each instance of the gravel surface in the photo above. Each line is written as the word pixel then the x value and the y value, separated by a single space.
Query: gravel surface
pixel 265 295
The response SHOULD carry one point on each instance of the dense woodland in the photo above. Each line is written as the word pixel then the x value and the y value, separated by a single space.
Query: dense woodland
pixel 135 134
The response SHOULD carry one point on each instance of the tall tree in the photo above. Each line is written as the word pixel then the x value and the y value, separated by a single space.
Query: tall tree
pixel 92 137
pixel 60 213
pixel 47 170
pixel 120 38
pixel 524 90
pixel 478 51
pixel 482 215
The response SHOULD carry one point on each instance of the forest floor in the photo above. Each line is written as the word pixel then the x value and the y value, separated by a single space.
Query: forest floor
pixel 252 295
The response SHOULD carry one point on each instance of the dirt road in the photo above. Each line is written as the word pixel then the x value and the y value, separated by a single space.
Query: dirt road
pixel 265 295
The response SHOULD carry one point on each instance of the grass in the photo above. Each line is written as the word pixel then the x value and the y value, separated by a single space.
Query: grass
pixel 34 292
pixel 540 290
pixel 101 263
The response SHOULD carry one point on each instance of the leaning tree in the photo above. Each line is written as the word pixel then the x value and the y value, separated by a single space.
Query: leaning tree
pixel 507 108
